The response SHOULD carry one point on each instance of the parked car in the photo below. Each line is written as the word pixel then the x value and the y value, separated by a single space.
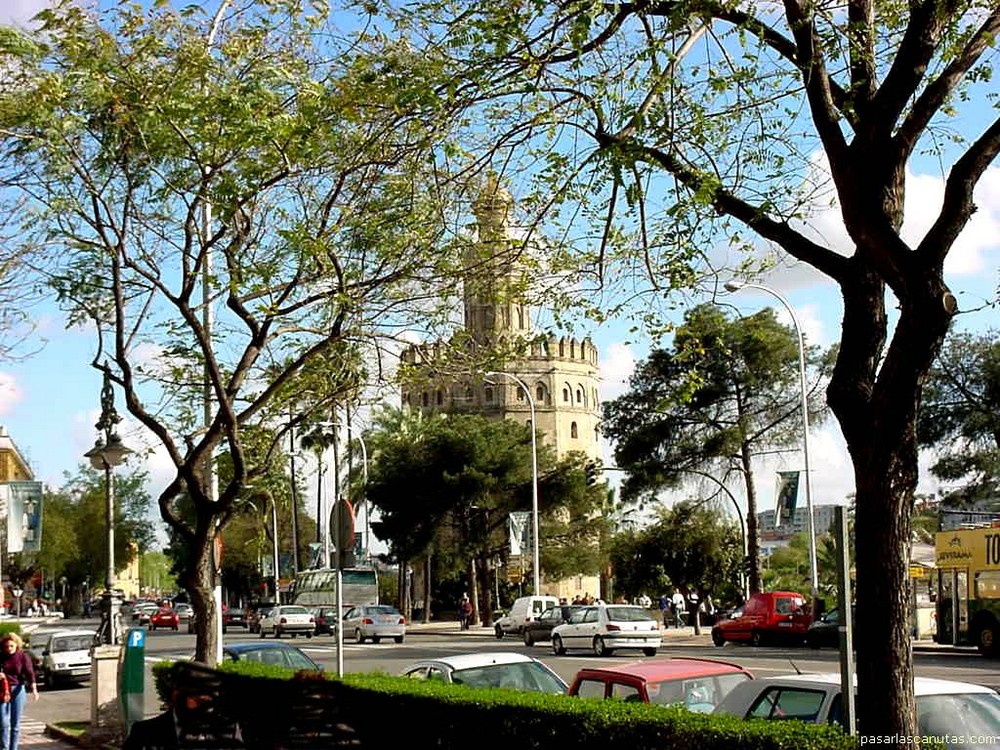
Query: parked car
pixel 525 609
pixel 767 616
pixel 256 615
pixel 540 629
pixel 697 684
pixel 607 627
pixel 234 617
pixel 490 670
pixel 142 611
pixel 164 617
pixel 61 656
pixel 826 630
pixel 958 710
pixel 291 619
pixel 375 621
pixel 270 652
pixel 326 619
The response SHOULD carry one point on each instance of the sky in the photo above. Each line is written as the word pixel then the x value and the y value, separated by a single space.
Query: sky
pixel 49 401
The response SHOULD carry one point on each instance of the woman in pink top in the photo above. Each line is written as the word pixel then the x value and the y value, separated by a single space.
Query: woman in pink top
pixel 16 665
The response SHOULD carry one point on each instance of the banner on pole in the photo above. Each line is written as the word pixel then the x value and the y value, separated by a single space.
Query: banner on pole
pixel 787 495
pixel 517 526
pixel 24 516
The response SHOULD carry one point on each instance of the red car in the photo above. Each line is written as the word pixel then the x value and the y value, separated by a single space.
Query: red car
pixel 767 616
pixel 165 617
pixel 697 684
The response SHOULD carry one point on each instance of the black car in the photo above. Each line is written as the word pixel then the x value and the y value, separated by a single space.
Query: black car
pixel 826 630
pixel 234 617
pixel 540 629
pixel 326 619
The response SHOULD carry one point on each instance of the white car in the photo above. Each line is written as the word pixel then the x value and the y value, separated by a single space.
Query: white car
pixel 291 619
pixel 183 611
pixel 607 627
pixel 61 656
pixel 375 621
pixel 944 707
pixel 490 670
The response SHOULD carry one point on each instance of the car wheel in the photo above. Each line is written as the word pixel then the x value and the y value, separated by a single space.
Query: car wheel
pixel 528 640
pixel 649 651
pixel 309 635
pixel 376 639
pixel 986 639
pixel 557 646
pixel 293 636
pixel 262 633
pixel 601 648
pixel 756 638
pixel 399 639
pixel 358 637
pixel 498 632
pixel 717 638
pixel 175 627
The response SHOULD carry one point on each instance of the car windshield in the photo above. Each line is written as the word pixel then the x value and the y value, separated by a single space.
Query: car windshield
pixel 627 614
pixel 383 609
pixel 81 642
pixel 520 676
pixel 966 716
pixel 699 694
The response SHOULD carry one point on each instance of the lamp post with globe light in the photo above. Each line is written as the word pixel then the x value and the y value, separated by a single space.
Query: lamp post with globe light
pixel 107 453
pixel 735 286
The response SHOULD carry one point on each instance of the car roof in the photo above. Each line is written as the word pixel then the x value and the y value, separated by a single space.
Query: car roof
pixel 921 685
pixel 468 661
pixel 663 669
pixel 60 632
pixel 243 647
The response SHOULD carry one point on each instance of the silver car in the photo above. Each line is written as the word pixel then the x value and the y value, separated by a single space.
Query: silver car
pixel 605 628
pixel 375 621
pixel 500 669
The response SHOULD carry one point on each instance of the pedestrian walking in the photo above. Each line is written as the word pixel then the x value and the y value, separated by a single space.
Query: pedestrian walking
pixel 665 610
pixel 465 611
pixel 20 675
pixel 677 608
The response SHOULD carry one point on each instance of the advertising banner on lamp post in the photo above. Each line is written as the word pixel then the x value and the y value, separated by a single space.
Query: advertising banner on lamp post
pixel 24 516
pixel 517 526
pixel 787 495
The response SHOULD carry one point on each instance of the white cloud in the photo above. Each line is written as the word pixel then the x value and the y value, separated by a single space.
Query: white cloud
pixel 617 364
pixel 20 12
pixel 10 393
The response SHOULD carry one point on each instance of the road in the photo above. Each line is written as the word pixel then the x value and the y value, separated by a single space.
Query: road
pixel 73 704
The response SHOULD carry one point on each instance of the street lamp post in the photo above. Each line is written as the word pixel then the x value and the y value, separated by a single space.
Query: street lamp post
pixel 107 453
pixel 536 580
pixel 735 286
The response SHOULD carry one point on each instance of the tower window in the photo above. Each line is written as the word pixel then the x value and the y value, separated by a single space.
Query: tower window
pixel 579 395
pixel 573 432
pixel 488 391
pixel 440 398
pixel 540 394
pixel 423 398
pixel 520 395
pixel 566 395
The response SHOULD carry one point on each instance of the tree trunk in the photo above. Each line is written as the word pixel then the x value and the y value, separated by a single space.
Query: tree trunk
pixel 427 588
pixel 199 583
pixel 875 399
pixel 473 588
pixel 753 536
pixel 485 603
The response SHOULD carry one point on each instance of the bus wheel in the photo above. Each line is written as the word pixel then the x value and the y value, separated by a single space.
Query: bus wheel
pixel 986 641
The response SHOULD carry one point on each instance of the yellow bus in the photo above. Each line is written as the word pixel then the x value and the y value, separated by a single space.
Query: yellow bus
pixel 968 587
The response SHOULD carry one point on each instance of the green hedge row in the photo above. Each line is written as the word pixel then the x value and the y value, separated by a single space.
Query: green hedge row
pixel 389 711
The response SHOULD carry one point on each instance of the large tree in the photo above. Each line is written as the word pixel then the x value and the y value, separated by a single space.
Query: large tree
pixel 226 200
pixel 722 394
pixel 675 125
pixel 449 490
pixel 960 417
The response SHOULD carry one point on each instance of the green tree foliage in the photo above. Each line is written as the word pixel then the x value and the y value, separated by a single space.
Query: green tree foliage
pixel 255 163
pixel 960 414
pixel 74 542
pixel 724 392
pixel 446 485
pixel 692 545
pixel 664 130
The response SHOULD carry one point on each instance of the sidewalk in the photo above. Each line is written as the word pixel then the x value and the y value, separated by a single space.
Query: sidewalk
pixel 33 735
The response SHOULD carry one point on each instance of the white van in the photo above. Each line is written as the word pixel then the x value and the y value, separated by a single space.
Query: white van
pixel 524 610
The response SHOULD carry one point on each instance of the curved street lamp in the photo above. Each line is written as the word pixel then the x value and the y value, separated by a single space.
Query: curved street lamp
pixel 108 452
pixel 535 577
pixel 735 286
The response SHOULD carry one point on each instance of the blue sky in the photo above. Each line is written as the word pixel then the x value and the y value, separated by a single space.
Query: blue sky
pixel 50 401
